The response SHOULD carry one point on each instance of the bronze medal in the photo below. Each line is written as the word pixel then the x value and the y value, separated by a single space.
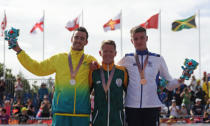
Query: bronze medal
pixel 106 85
pixel 143 81
pixel 141 69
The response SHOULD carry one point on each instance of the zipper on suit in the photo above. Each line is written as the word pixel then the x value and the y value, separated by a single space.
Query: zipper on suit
pixel 108 98
pixel 95 117
pixel 142 64
pixel 58 97
pixel 121 118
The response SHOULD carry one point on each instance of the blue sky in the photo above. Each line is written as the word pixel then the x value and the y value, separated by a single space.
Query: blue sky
pixel 176 46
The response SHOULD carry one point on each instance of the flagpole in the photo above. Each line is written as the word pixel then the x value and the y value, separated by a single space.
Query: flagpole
pixel 82 19
pixel 160 32
pixel 4 69
pixel 121 33
pixel 199 43
pixel 43 33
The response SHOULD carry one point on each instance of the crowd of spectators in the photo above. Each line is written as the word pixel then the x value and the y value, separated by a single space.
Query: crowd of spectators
pixel 23 106
pixel 187 101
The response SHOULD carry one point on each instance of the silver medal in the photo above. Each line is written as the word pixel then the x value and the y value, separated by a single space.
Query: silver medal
pixel 72 81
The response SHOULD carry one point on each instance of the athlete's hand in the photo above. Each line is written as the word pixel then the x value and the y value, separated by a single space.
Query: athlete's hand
pixel 16 48
pixel 94 65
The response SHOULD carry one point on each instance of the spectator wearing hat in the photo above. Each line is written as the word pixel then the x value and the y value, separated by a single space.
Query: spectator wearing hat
pixel 23 116
pixel 183 111
pixel 174 109
pixel 197 109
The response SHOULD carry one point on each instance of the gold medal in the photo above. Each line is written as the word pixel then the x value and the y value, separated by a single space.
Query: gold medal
pixel 72 81
pixel 143 81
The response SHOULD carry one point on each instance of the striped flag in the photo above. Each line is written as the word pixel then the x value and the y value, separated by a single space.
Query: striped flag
pixel 39 25
pixel 73 24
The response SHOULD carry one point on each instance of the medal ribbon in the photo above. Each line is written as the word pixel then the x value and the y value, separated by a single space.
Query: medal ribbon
pixel 73 73
pixel 141 70
pixel 106 86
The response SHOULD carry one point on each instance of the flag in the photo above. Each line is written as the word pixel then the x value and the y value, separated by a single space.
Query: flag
pixel 4 24
pixel 152 22
pixel 113 23
pixel 188 23
pixel 73 24
pixel 39 25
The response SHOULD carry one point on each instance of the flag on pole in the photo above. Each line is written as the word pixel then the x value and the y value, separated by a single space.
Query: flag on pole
pixel 152 22
pixel 187 23
pixel 73 24
pixel 39 25
pixel 113 23
pixel 4 24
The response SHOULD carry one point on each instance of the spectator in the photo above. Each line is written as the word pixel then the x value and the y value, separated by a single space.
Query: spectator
pixel 18 88
pixel 198 85
pixel 197 109
pixel 174 109
pixel 201 95
pixel 17 107
pixel 44 110
pixel 2 89
pixel 31 111
pixel 7 106
pixel 186 98
pixel 162 95
pixel 206 89
pixel 177 97
pixel 30 107
pixel 183 111
pixel 206 115
pixel 4 117
pixel 42 92
pixel 207 106
pixel 23 116
pixel 193 83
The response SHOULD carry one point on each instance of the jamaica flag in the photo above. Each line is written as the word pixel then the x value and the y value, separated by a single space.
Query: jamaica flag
pixel 188 23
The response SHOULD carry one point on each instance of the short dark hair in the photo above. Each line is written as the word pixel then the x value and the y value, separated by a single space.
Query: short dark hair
pixel 137 29
pixel 4 110
pixel 82 29
pixel 108 42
